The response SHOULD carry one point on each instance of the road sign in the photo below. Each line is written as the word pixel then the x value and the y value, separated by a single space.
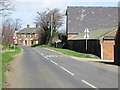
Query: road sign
pixel 86 30
pixel 86 36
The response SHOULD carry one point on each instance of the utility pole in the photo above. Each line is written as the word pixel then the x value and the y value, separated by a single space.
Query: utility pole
pixel 51 16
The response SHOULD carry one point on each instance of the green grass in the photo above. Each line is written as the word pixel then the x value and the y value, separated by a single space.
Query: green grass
pixel 0 70
pixel 70 52
pixel 7 57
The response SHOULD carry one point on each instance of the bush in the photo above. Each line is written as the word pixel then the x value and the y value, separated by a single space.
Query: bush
pixel 34 45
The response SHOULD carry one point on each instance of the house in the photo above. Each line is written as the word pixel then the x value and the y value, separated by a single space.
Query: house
pixel 101 22
pixel 28 36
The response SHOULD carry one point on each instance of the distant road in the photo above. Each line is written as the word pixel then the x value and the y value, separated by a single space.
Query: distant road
pixel 43 68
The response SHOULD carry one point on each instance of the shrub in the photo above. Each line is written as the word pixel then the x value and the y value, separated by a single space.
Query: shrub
pixel 34 45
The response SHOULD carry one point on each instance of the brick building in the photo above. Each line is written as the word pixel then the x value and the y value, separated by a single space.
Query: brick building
pixel 28 36
pixel 108 44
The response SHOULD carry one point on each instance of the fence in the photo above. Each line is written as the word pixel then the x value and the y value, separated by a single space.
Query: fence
pixel 93 46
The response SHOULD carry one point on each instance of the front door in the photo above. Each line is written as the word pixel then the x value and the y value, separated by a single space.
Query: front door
pixel 25 42
pixel 32 42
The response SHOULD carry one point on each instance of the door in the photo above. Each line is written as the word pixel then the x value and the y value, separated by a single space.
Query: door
pixel 25 42
pixel 32 42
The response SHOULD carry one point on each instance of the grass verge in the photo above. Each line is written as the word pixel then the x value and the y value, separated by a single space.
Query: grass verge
pixel 7 57
pixel 70 52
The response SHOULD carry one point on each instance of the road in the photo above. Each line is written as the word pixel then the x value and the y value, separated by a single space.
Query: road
pixel 43 68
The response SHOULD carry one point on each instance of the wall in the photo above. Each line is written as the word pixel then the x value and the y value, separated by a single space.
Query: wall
pixel 108 49
pixel 80 46
pixel 117 47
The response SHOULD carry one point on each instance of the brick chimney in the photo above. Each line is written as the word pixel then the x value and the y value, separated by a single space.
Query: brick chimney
pixel 28 26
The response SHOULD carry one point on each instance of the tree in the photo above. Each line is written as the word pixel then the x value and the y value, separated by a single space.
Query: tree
pixel 8 25
pixel 49 21
pixel 63 38
pixel 18 23
pixel 6 7
pixel 7 33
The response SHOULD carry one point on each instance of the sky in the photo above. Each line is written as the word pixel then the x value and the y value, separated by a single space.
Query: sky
pixel 26 10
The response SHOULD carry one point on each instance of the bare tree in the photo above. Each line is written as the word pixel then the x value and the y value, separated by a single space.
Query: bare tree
pixel 49 21
pixel 7 33
pixel 18 23
pixel 6 7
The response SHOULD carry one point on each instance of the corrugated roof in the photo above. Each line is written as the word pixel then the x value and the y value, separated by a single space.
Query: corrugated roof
pixel 94 18
pixel 95 34
pixel 29 30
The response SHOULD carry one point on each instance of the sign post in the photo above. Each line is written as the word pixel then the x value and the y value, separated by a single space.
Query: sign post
pixel 86 36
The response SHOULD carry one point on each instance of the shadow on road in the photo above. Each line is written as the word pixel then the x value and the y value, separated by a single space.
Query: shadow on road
pixel 109 63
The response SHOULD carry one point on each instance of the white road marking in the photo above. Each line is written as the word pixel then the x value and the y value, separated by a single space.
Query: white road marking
pixel 89 84
pixel 53 62
pixel 41 54
pixel 36 50
pixel 67 70
pixel 45 57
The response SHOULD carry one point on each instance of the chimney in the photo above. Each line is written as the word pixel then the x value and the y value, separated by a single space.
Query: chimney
pixel 28 26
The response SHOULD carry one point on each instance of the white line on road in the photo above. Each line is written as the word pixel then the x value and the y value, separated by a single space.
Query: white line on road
pixel 45 57
pixel 53 62
pixel 67 70
pixel 41 54
pixel 36 50
pixel 89 84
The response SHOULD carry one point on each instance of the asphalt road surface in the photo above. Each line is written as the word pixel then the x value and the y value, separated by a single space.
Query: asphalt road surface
pixel 43 68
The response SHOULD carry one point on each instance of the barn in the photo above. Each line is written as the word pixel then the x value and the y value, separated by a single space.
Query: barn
pixel 102 23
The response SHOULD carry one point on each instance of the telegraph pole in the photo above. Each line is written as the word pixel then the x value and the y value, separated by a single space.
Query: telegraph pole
pixel 51 24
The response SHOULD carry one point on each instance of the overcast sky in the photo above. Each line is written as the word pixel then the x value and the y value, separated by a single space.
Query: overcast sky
pixel 26 10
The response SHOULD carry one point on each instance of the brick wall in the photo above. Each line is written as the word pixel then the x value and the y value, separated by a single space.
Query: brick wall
pixel 108 49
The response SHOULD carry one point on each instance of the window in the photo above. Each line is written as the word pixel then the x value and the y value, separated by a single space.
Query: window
pixel 19 35
pixel 30 35
pixel 32 42
pixel 20 41
pixel 26 35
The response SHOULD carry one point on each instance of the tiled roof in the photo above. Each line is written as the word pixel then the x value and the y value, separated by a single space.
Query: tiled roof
pixel 29 30
pixel 94 18
pixel 95 34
